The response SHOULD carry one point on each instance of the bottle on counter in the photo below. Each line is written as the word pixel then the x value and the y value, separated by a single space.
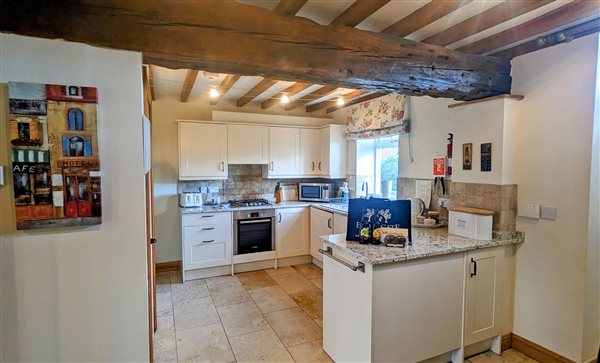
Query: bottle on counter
pixel 376 234
pixel 365 231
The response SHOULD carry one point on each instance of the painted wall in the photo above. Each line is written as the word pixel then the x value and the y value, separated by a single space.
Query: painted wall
pixel 79 294
pixel 554 128
pixel 165 111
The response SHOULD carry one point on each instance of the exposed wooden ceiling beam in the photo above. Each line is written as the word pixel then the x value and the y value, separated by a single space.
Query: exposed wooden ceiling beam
pixel 267 44
pixel 290 91
pixel 563 36
pixel 226 84
pixel 151 81
pixel 289 7
pixel 566 14
pixel 423 16
pixel 358 100
pixel 188 84
pixel 321 92
pixel 358 11
pixel 260 87
pixel 348 97
pixel 485 20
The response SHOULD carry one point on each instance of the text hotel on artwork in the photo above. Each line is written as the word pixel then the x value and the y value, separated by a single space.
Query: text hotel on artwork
pixel 55 166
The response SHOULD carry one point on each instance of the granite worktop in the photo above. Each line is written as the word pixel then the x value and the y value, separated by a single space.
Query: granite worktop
pixel 426 243
pixel 340 208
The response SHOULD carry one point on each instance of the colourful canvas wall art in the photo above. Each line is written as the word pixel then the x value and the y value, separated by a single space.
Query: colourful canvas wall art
pixel 55 155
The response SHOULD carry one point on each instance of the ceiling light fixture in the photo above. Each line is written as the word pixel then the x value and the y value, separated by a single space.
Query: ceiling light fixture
pixel 340 101
pixel 285 98
pixel 213 92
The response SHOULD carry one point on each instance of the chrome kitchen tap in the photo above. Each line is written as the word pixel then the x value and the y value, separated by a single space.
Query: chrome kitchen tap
pixel 365 187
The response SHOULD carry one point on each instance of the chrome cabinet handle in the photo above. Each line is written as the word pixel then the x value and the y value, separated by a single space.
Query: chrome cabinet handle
pixel 329 223
pixel 329 252
pixel 207 216
pixel 222 166
pixel 271 166
pixel 279 217
pixel 319 165
pixel 474 263
pixel 313 165
pixel 208 241
pixel 208 229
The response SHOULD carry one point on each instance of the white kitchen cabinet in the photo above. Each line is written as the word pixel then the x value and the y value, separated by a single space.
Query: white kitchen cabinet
pixel 247 144
pixel 202 151
pixel 284 152
pixel 340 223
pixel 291 232
pixel 333 152
pixel 310 151
pixel 321 224
pixel 206 240
pixel 484 276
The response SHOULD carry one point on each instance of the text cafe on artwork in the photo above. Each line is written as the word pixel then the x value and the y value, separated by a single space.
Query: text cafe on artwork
pixel 55 166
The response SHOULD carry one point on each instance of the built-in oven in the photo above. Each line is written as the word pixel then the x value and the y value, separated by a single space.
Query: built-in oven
pixel 253 231
pixel 316 192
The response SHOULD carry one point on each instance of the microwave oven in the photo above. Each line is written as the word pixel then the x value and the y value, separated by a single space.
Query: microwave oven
pixel 316 192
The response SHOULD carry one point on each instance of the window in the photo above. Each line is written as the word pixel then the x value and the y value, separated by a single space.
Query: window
pixel 75 119
pixel 377 166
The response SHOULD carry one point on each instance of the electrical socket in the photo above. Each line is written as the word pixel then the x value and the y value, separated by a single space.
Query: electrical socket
pixel 549 213
pixel 528 210
pixel 444 202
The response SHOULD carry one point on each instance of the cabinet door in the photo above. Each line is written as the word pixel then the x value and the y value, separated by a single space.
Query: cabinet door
pixel 291 232
pixel 284 151
pixel 309 151
pixel 333 151
pixel 321 224
pixel 340 224
pixel 207 246
pixel 247 144
pixel 484 290
pixel 202 151
pixel 324 151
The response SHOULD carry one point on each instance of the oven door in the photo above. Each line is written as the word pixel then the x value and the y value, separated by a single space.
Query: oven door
pixel 253 235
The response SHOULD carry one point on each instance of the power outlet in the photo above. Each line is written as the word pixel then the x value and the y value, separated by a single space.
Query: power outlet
pixel 529 210
pixel 549 213
pixel 444 202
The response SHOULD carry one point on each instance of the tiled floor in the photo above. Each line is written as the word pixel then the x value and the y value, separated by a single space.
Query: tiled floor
pixel 260 316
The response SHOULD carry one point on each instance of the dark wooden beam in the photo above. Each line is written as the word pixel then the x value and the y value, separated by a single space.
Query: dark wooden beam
pixel 289 7
pixel 230 37
pixel 563 36
pixel 290 91
pixel 566 14
pixel 188 84
pixel 151 81
pixel 226 84
pixel 358 11
pixel 358 100
pixel 260 87
pixel 423 16
pixel 321 92
pixel 485 20
pixel 348 97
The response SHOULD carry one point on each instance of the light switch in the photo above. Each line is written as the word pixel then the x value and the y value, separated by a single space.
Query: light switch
pixel 1 175
pixel 548 213
pixel 529 210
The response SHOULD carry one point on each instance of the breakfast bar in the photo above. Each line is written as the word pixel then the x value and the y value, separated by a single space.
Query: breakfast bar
pixel 377 300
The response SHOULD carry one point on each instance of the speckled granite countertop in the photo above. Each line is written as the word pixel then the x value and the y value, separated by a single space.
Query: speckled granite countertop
pixel 426 243
pixel 341 208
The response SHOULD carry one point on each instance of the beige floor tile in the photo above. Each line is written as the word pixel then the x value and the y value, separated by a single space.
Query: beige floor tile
pixel 163 288
pixel 255 280
pixel 164 338
pixel 310 352
pixel 293 282
pixel 204 344
pixel 176 277
pixel 194 313
pixel 530 360
pixel 240 319
pixel 282 271
pixel 189 291
pixel 508 356
pixel 294 326
pixel 164 304
pixel 163 278
pixel 318 283
pixel 227 290
pixel 271 298
pixel 230 298
pixel 166 357
pixel 263 346
pixel 311 301
pixel 309 271
pixel 319 322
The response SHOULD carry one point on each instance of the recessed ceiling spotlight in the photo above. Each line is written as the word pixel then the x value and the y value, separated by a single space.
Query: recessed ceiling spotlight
pixel 340 101
pixel 213 92
pixel 285 98
pixel 211 76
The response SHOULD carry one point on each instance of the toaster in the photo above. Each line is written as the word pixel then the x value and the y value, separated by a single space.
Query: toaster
pixel 190 200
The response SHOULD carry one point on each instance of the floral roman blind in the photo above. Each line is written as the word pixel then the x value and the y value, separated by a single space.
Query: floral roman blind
pixel 378 117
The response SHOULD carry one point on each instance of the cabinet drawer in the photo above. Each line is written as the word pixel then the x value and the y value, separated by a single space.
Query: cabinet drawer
pixel 200 255
pixel 204 219
pixel 195 234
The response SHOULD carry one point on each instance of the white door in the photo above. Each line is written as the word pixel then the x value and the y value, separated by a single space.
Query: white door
pixel 484 281
pixel 340 224
pixel 291 232
pixel 284 151
pixel 247 144
pixel 202 151
pixel 321 224
pixel 309 151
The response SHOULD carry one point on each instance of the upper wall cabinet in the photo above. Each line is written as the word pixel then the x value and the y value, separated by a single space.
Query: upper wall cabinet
pixel 284 152
pixel 247 144
pixel 310 156
pixel 202 151
pixel 333 152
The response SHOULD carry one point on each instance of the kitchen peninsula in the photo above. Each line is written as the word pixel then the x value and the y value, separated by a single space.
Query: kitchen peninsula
pixel 462 285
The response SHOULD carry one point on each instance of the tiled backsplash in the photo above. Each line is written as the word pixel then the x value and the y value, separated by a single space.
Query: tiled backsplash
pixel 246 182
pixel 500 198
